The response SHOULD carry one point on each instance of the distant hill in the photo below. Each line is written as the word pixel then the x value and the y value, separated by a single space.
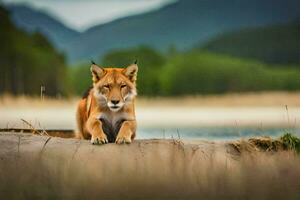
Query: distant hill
pixel 182 24
pixel 278 44
pixel 32 20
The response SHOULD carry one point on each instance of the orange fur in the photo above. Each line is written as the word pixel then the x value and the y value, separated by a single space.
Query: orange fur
pixel 106 113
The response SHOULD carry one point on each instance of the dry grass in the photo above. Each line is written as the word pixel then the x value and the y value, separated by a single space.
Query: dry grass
pixel 260 99
pixel 231 100
pixel 157 169
pixel 254 177
pixel 27 101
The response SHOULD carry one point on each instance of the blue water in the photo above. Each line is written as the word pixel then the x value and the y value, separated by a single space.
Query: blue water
pixel 213 133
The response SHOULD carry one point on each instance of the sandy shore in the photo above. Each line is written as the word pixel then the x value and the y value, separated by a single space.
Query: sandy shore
pixel 63 117
pixel 39 166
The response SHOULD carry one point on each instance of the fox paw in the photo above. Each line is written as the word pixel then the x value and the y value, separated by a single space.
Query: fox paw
pixel 122 139
pixel 99 139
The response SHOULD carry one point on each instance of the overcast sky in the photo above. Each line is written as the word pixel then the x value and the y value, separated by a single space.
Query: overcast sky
pixel 82 14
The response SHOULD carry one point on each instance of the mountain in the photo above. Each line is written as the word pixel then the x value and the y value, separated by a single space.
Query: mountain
pixel 183 24
pixel 279 44
pixel 32 20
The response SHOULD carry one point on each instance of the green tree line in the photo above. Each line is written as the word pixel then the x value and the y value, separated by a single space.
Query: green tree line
pixel 194 73
pixel 28 61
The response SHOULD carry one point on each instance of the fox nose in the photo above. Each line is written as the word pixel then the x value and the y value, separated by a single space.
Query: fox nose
pixel 115 101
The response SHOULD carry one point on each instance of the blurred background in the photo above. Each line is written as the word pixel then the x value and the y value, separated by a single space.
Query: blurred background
pixel 207 68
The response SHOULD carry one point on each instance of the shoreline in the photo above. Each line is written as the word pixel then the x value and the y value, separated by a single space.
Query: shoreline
pixel 56 117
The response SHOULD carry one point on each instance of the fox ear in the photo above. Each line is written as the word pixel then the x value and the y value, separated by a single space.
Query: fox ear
pixel 97 72
pixel 131 72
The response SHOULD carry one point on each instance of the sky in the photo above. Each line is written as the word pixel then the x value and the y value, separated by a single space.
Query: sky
pixel 82 14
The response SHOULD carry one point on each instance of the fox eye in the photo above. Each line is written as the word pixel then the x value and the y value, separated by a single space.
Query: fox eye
pixel 122 86
pixel 106 86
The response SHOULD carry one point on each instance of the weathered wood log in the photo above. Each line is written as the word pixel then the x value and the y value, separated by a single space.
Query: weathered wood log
pixel 49 167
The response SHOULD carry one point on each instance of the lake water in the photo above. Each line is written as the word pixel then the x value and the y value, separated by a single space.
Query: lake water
pixel 213 133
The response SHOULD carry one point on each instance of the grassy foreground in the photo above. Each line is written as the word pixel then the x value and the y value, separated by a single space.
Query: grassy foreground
pixel 287 142
pixel 49 167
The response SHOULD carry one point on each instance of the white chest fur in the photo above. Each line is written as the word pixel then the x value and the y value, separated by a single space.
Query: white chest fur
pixel 114 118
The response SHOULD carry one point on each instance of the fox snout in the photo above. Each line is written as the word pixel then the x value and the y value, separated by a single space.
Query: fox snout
pixel 115 105
pixel 115 102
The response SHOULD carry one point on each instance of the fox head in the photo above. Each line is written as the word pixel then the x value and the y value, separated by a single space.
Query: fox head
pixel 114 87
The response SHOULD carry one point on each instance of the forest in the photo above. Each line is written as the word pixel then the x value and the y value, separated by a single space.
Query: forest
pixel 29 61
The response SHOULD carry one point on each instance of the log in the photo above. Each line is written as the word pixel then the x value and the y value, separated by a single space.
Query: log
pixel 34 166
